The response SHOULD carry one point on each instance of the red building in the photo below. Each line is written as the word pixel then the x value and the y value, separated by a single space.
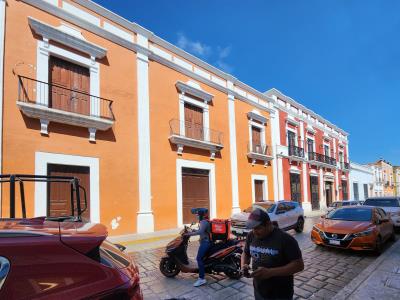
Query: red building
pixel 311 155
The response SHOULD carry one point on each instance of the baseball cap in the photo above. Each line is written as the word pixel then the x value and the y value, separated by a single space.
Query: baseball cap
pixel 256 218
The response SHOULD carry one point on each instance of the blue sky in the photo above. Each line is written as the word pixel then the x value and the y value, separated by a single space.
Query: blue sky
pixel 339 58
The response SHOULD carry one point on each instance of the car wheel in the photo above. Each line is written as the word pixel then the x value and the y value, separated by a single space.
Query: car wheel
pixel 168 267
pixel 378 246
pixel 300 225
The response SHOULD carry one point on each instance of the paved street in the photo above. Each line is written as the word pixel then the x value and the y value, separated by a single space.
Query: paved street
pixel 326 272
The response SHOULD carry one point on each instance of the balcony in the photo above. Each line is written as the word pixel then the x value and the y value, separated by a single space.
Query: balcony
pixel 296 151
pixel 259 152
pixel 196 136
pixel 321 159
pixel 53 103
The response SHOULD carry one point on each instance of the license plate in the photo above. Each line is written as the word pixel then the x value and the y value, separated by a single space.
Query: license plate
pixel 333 242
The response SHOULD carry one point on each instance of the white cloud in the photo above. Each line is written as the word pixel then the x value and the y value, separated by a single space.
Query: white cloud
pixel 224 66
pixel 217 54
pixel 194 47
pixel 224 52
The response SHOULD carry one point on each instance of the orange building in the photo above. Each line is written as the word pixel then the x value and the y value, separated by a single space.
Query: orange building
pixel 150 129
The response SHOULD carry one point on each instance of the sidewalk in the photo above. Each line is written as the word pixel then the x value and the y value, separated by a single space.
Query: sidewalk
pixel 380 280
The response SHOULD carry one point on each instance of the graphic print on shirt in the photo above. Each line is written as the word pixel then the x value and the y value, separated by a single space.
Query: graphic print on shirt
pixel 260 254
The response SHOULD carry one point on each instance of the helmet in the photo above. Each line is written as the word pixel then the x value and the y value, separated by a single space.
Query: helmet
pixel 200 212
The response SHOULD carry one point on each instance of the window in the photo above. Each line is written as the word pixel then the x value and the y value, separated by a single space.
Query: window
pixel 194 122
pixel 295 187
pixel 355 188
pixel 310 145
pixel 345 191
pixel 291 139
pixel 326 150
pixel 365 191
pixel 314 192
pixel 70 86
pixel 256 139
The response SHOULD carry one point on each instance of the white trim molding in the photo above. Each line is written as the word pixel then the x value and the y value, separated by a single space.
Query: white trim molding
pixel 55 34
pixel 42 159
pixel 145 217
pixel 181 163
pixel 262 178
pixel 191 89
pixel 233 153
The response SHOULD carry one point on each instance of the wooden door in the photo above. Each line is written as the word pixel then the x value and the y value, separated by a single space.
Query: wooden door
pixel 70 86
pixel 259 190
pixel 295 187
pixel 195 192
pixel 59 193
pixel 314 192
pixel 194 122
pixel 256 139
pixel 328 193
pixel 345 193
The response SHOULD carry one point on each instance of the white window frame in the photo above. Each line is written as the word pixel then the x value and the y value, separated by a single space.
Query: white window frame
pixel 262 178
pixel 45 50
pixel 183 98
pixel 42 159
pixel 182 163
pixel 260 126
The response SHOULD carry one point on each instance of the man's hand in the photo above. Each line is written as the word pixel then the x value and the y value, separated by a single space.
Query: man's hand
pixel 263 273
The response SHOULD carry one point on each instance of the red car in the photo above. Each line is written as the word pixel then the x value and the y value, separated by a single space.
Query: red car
pixel 62 257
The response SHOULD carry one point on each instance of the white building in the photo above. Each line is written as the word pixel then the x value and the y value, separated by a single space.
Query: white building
pixel 361 181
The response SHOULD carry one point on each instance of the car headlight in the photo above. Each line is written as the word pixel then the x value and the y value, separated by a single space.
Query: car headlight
pixel 364 233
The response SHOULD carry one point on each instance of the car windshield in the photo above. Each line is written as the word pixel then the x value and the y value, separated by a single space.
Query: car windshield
pixel 334 204
pixel 351 214
pixel 268 206
pixel 382 202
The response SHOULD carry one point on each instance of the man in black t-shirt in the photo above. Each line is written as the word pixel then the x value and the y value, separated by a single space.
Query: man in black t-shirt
pixel 275 255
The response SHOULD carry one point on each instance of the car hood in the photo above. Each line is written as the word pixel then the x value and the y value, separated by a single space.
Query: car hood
pixel 339 226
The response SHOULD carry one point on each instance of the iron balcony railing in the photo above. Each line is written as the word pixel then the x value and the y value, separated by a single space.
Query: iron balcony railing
pixel 58 97
pixel 195 131
pixel 296 151
pixel 258 149
pixel 321 158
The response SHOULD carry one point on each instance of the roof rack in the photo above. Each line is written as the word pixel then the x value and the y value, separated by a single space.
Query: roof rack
pixel 21 178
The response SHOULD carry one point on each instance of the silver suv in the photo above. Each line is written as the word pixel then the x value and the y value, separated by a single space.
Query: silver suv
pixel 391 205
pixel 284 214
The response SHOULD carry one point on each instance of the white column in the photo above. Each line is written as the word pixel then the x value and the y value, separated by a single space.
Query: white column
pixel 2 30
pixel 145 218
pixel 322 201
pixel 306 203
pixel 276 162
pixel 233 152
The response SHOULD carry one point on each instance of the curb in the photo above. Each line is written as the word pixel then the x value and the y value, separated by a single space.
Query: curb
pixel 350 288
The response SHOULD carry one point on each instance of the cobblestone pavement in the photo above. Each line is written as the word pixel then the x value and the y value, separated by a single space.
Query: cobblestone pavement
pixel 326 272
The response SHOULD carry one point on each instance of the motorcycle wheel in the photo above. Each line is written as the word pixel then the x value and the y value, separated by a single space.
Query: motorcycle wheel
pixel 168 267
pixel 235 274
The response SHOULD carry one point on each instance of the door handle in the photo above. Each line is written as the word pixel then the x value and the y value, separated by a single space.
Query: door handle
pixel 4 269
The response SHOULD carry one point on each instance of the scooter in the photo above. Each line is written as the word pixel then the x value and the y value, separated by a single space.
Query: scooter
pixel 222 257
